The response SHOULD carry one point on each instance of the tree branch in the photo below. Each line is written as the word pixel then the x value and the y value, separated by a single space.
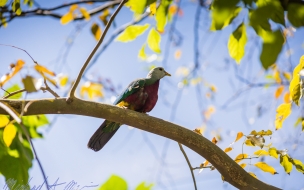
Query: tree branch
pixel 229 169
pixel 73 89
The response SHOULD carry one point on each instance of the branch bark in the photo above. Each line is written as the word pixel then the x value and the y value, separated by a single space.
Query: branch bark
pixel 229 169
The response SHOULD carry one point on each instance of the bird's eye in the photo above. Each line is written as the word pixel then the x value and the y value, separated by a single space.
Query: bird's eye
pixel 160 69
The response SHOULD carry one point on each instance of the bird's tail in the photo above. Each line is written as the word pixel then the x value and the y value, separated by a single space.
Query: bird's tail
pixel 102 135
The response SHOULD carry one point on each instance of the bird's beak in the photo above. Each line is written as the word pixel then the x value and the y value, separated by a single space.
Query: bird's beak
pixel 167 74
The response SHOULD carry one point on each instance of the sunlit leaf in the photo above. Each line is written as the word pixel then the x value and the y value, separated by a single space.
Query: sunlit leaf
pixel 142 54
pixel 243 165
pixel 248 143
pixel 43 69
pixel 114 182
pixel 172 11
pixel 9 134
pixel 29 84
pixel 35 121
pixel 287 98
pixel 3 120
pixel 298 164
pixel 85 13
pixel 132 32
pixel 182 71
pixel 210 111
pixel 238 136
pixel 279 91
pixel 96 31
pixel 228 149
pixel 15 69
pixel 295 14
pixel 136 6
pixel 287 76
pixel 200 130
pixel 240 157
pixel 261 153
pixel 30 3
pixel 73 7
pixel 264 133
pixel 16 7
pixel 273 152
pixel 66 18
pixel 295 76
pixel 296 94
pixel 237 42
pixel 3 3
pixel 93 90
pixel 272 46
pixel 283 111
pixel 265 167
pixel 287 165
pixel 177 54
pixel 63 79
pixel 153 8
pixel 214 140
pixel 252 174
pixel 11 89
pixel 143 186
pixel 223 12
pixel 103 17
pixel 153 40
pixel 195 81
pixel 256 141
pixel 161 16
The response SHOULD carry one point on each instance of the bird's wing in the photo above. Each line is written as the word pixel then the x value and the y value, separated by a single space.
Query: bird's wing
pixel 131 89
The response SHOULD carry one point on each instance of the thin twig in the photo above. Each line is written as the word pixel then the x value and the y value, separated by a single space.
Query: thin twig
pixel 189 164
pixel 13 93
pixel 73 89
pixel 47 88
pixel 20 49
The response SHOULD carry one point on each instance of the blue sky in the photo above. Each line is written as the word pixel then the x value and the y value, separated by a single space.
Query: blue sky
pixel 134 154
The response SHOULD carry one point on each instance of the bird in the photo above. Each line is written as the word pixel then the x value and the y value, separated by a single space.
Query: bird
pixel 140 95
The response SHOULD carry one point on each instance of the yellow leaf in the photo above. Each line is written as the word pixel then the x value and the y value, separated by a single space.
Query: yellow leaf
pixel 252 174
pixel 283 111
pixel 177 54
pixel 85 13
pixel 104 15
pixel 214 140
pixel 9 134
pixel 96 31
pixel 63 80
pixel 3 120
pixel 287 76
pixel 261 153
pixel 273 152
pixel 205 164
pixel 276 76
pixel 51 81
pixel 196 81
pixel 287 98
pixel 265 167
pixel 132 32
pixel 296 77
pixel 15 69
pixel 243 165
pixel 240 157
pixel 172 9
pixel 238 136
pixel 228 149
pixel 182 71
pixel 296 94
pixel 263 133
pixel 200 130
pixel 213 88
pixel 279 91
pixel 93 90
pixel 153 40
pixel 211 110
pixel 142 54
pixel 68 17
pixel 42 69
pixel 73 7
pixel 153 8
pixel 248 143
pixel 285 162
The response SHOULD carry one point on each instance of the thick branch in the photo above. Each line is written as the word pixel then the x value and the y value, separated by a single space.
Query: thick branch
pixel 229 169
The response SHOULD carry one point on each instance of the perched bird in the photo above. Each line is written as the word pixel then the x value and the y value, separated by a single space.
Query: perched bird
pixel 140 95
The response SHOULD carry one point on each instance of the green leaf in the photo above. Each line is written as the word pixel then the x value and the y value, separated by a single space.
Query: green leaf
pixel 29 3
pixel 154 40
pixel 299 120
pixel 29 84
pixel 3 3
pixel 287 165
pixel 14 88
pixel 296 94
pixel 16 7
pixel 223 12
pixel 35 120
pixel 273 152
pixel 298 164
pixel 138 6
pixel 295 14
pixel 141 54
pixel 237 42
pixel 114 182
pixel 13 168
pixel 272 46
pixel 161 15
pixel 132 32
pixel 142 186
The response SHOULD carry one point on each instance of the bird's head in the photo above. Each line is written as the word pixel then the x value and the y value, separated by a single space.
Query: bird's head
pixel 158 73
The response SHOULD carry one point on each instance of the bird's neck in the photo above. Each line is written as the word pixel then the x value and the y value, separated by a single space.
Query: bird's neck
pixel 151 80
